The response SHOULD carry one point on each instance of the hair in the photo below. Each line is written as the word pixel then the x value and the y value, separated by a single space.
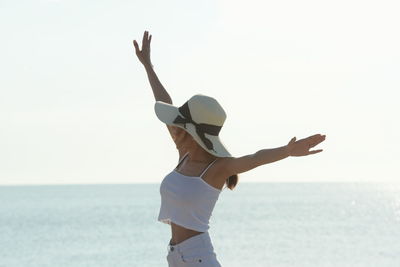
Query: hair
pixel 231 182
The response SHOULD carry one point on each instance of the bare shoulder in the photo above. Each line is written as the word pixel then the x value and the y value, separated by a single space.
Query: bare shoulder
pixel 217 175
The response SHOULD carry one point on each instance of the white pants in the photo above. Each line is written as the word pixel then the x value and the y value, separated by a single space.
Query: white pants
pixel 194 251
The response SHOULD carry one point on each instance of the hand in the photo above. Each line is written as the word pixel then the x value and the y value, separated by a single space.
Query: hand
pixel 144 54
pixel 302 146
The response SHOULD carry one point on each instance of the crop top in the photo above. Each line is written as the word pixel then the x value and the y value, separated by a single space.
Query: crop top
pixel 187 200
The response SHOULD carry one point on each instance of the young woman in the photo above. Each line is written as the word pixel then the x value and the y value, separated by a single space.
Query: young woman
pixel 190 191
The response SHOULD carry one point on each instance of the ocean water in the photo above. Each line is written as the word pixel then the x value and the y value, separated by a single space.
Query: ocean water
pixel 257 224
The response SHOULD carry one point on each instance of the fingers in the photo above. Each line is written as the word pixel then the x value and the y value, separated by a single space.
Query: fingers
pixel 136 46
pixel 315 135
pixel 144 40
pixel 292 140
pixel 314 144
pixel 315 139
pixel 315 151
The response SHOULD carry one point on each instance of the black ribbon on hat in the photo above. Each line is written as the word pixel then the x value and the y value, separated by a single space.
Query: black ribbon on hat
pixel 201 128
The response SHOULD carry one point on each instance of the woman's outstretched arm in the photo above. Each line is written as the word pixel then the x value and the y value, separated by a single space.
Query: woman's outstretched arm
pixel 293 148
pixel 160 94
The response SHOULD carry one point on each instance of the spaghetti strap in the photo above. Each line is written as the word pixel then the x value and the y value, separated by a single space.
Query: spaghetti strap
pixel 208 167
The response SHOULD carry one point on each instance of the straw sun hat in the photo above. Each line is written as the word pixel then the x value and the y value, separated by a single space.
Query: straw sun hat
pixel 202 117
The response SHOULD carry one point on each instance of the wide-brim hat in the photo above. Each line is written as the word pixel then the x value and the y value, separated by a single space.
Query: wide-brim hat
pixel 202 117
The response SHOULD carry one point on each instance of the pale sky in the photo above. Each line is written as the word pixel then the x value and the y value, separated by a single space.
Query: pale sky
pixel 76 105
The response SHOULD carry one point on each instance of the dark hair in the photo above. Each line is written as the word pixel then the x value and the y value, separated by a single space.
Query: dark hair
pixel 232 181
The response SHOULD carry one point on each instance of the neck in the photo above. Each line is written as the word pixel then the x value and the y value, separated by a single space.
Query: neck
pixel 199 155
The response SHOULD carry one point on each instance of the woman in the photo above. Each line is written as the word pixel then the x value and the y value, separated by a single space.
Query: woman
pixel 190 191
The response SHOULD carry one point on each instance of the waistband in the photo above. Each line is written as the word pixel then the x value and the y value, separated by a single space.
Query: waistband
pixel 202 239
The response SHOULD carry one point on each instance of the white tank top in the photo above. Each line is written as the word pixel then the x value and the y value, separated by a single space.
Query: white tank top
pixel 187 200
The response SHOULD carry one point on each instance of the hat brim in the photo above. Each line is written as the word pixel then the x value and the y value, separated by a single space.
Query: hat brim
pixel 167 114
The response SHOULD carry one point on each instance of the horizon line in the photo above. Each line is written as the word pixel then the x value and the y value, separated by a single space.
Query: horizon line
pixel 246 182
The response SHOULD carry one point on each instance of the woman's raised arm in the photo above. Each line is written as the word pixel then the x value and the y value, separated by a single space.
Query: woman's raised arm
pixel 160 94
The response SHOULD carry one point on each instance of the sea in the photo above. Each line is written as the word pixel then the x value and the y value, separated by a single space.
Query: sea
pixel 256 224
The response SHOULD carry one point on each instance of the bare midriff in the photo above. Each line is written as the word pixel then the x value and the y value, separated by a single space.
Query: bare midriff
pixel 180 234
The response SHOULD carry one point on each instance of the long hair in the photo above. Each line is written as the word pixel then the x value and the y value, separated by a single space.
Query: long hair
pixel 232 181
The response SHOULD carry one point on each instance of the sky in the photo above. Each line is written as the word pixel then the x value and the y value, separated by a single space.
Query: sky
pixel 76 106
